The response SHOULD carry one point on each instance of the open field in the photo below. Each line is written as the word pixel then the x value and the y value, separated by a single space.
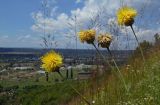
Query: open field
pixel 143 87
pixel 143 84
pixel 80 52
pixel 22 78
pixel 33 91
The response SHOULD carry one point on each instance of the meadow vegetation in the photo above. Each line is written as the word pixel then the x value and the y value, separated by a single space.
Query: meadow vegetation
pixel 143 82
pixel 136 83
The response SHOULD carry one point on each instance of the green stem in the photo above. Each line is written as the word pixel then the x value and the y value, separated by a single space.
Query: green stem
pixel 102 55
pixel 60 74
pixel 80 95
pixel 47 76
pixel 121 76
pixel 75 90
pixel 138 44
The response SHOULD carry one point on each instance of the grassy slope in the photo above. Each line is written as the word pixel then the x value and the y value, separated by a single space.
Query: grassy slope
pixel 32 80
pixel 38 95
pixel 30 92
pixel 51 94
pixel 143 84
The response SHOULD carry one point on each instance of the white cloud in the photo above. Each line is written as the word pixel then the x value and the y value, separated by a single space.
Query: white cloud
pixel 27 40
pixel 5 37
pixel 49 24
pixel 60 22
pixel 23 37
pixel 27 36
pixel 147 34
pixel 126 38
pixel 90 9
pixel 78 1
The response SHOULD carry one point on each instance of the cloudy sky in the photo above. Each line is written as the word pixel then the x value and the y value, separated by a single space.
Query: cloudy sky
pixel 23 22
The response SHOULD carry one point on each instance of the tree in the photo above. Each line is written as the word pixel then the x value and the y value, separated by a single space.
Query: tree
pixel 157 38
pixel 145 45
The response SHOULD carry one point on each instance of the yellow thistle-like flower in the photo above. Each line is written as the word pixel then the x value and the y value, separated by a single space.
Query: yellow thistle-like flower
pixel 51 61
pixel 104 40
pixel 87 36
pixel 126 15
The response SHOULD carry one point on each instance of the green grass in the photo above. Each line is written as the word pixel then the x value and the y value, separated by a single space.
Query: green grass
pixel 49 94
pixel 40 95
pixel 30 92
pixel 143 84
pixel 33 80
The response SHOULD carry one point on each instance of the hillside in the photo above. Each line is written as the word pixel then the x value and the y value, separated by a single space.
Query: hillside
pixel 142 80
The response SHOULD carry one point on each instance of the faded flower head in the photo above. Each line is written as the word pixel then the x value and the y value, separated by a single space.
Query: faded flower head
pixel 126 15
pixel 128 67
pixel 87 36
pixel 104 40
pixel 51 61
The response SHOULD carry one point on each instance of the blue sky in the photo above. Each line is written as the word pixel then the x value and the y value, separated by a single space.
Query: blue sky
pixel 16 19
pixel 16 14
pixel 18 25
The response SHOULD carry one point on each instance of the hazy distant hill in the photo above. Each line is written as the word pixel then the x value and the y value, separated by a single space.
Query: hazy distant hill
pixel 19 50
pixel 32 54
pixel 63 51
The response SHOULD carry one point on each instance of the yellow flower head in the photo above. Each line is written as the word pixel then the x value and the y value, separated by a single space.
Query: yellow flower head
pixel 104 40
pixel 51 61
pixel 87 36
pixel 126 15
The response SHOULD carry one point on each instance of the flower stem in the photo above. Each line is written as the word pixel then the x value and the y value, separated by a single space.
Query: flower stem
pixel 75 89
pixel 47 76
pixel 102 55
pixel 60 74
pixel 80 95
pixel 140 48
pixel 121 76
